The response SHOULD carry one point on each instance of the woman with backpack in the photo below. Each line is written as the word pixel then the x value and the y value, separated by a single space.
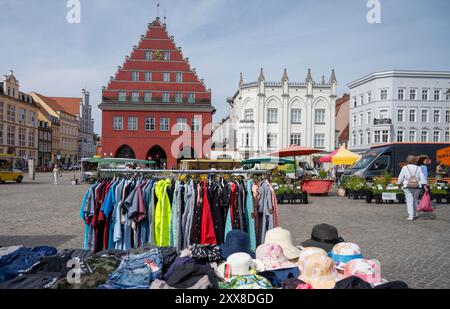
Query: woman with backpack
pixel 412 179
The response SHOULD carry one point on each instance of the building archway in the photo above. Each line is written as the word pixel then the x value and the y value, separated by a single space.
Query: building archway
pixel 157 154
pixel 125 152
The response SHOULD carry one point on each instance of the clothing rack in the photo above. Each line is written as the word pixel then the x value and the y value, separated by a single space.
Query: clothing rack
pixel 150 171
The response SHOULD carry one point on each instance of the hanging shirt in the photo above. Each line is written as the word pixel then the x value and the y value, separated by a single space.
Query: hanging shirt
pixel 162 213
pixel 249 215
pixel 208 234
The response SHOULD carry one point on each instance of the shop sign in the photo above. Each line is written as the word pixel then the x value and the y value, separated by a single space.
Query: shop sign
pixel 389 196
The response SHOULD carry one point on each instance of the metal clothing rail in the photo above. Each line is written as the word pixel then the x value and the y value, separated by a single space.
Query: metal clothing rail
pixel 150 171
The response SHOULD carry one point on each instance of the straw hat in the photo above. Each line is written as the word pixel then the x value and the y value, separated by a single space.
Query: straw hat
pixel 239 264
pixel 273 257
pixel 319 271
pixel 283 238
pixel 308 251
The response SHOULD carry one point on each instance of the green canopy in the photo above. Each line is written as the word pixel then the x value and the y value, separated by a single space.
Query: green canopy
pixel 274 160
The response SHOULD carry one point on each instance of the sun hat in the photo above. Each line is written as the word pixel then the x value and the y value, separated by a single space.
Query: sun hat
pixel 344 252
pixel 308 251
pixel 367 270
pixel 273 257
pixel 236 241
pixel 323 236
pixel 319 271
pixel 239 264
pixel 283 238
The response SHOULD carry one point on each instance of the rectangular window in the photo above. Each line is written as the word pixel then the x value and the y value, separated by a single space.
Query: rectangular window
pixel 31 138
pixel 196 124
pixel 164 124
pixel 166 77
pixel 150 124
pixel 134 76
pixel 132 123
pixel 166 97
pixel 32 120
pixel 377 137
pixel 369 138
pixel 148 55
pixel 319 141
pixel 272 115
pixel 400 115
pixel 22 116
pixel 424 115
pixel 247 140
pixel 272 141
pixel 361 99
pixel 400 136
pixel 413 94
pixel 319 116
pixel 447 96
pixel 447 136
pixel 425 94
pixel 437 95
pixel 296 139
pixel 369 97
pixel 355 102
pixel 401 94
pixel 148 76
pixel 361 138
pixel 385 136
pixel 1 135
pixel 354 140
pixel 191 97
pixel 412 115
pixel 248 114
pixel 1 112
pixel 22 137
pixel 296 116
pixel 135 96
pixel 383 94
pixel 166 55
pixel 436 136
pixel 147 97
pixel 424 136
pixel 447 116
pixel 178 97
pixel 117 123
pixel 354 120
pixel 437 115
pixel 412 136
pixel 181 124
pixel 369 117
pixel 361 119
pixel 122 96
pixel 179 77
pixel 383 113
pixel 11 113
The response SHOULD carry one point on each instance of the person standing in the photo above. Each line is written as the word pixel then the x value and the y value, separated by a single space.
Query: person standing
pixel 56 174
pixel 422 162
pixel 412 178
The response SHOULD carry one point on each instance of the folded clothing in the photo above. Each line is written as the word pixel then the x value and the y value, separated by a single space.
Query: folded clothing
pixel 278 276
pixel 187 275
pixel 202 284
pixel 22 260
pixel 211 253
pixel 136 271
pixel 41 280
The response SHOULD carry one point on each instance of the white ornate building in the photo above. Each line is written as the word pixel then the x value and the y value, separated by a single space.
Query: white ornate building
pixel 267 116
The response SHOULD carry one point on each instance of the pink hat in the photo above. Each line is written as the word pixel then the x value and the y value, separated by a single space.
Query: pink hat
pixel 273 257
pixel 367 270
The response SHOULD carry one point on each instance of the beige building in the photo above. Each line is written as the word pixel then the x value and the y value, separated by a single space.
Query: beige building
pixel 54 124
pixel 18 120
pixel 68 134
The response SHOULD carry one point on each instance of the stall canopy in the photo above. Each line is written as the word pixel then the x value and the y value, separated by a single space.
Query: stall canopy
pixel 274 160
pixel 327 158
pixel 345 157
pixel 294 151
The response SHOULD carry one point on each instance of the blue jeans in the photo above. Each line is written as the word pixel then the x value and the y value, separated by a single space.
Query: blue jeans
pixel 136 271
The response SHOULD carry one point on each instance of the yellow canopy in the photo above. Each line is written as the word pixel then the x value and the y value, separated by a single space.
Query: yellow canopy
pixel 345 157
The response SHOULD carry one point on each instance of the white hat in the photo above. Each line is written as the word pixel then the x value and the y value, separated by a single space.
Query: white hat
pixel 283 238
pixel 308 251
pixel 239 264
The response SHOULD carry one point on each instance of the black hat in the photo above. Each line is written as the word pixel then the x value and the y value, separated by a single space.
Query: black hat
pixel 323 236
pixel 354 283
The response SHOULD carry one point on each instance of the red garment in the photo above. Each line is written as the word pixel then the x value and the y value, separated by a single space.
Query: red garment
pixel 233 193
pixel 208 234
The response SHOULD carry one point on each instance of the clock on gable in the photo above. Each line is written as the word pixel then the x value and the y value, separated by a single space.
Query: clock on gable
pixel 157 55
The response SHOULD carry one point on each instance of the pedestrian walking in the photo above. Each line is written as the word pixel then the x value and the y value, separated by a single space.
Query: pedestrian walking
pixel 411 178
pixel 56 174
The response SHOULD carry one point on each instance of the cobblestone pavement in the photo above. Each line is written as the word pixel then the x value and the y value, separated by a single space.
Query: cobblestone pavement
pixel 40 213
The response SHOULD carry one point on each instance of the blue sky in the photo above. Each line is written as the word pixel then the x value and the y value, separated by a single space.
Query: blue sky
pixel 222 38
